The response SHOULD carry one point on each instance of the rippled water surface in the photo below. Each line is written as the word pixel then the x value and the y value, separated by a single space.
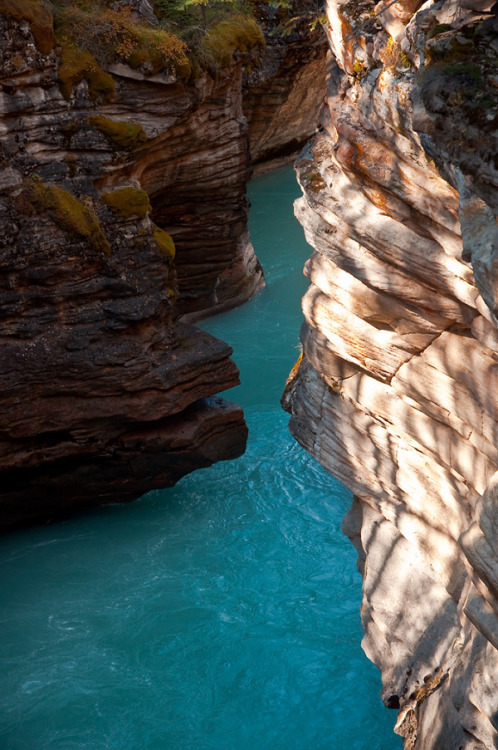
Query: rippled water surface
pixel 222 614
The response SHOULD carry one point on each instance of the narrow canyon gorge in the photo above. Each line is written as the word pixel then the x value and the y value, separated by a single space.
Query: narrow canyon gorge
pixel 395 392
pixel 124 221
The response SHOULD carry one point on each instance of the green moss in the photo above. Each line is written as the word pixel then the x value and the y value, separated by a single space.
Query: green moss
pixel 405 60
pixel 165 243
pixel 78 65
pixel 439 29
pixel 127 202
pixel 315 181
pixel 240 33
pixel 39 19
pixel 458 53
pixel 122 134
pixel 70 213
pixel 463 69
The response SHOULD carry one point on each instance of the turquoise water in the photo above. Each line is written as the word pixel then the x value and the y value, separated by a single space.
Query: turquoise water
pixel 222 614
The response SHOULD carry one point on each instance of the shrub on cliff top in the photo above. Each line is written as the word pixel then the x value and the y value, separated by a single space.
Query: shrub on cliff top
pixel 214 29
pixel 39 19
pixel 70 213
pixel 111 34
pixel 227 37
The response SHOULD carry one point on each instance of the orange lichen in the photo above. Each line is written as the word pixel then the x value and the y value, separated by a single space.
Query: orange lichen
pixel 292 376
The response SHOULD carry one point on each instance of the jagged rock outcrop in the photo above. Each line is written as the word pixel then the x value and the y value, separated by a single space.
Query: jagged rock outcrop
pixel 396 390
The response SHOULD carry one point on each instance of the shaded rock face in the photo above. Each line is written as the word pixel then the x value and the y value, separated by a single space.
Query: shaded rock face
pixel 396 390
pixel 283 95
pixel 192 158
pixel 104 393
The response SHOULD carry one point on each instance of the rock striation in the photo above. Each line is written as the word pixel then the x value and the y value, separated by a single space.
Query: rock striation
pixel 396 390
pixel 282 96
pixel 124 217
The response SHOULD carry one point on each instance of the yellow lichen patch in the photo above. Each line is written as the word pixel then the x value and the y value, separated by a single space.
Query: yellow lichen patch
pixel 70 213
pixel 78 65
pixel 122 134
pixel 128 202
pixel 165 243
pixel 239 33
pixel 39 19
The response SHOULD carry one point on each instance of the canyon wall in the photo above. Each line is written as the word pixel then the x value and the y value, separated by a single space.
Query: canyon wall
pixel 123 208
pixel 396 391
pixel 284 92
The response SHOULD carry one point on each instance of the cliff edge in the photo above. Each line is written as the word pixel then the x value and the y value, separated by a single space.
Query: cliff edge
pixel 396 390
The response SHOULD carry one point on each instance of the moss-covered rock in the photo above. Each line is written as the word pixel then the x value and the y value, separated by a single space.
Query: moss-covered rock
pixel 128 202
pixel 66 210
pixel 39 19
pixel 121 134
pixel 159 51
pixel 237 34
pixel 78 65
pixel 165 243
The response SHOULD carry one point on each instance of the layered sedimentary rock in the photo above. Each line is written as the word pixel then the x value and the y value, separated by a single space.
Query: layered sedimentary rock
pixel 104 393
pixel 123 208
pixel 283 94
pixel 396 393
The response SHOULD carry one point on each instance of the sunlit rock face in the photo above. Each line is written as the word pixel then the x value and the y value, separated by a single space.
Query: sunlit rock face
pixel 396 393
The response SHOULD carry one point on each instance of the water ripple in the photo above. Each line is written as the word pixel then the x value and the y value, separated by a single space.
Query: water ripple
pixel 222 614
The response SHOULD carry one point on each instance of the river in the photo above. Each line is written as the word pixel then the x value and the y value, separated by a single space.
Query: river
pixel 221 614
